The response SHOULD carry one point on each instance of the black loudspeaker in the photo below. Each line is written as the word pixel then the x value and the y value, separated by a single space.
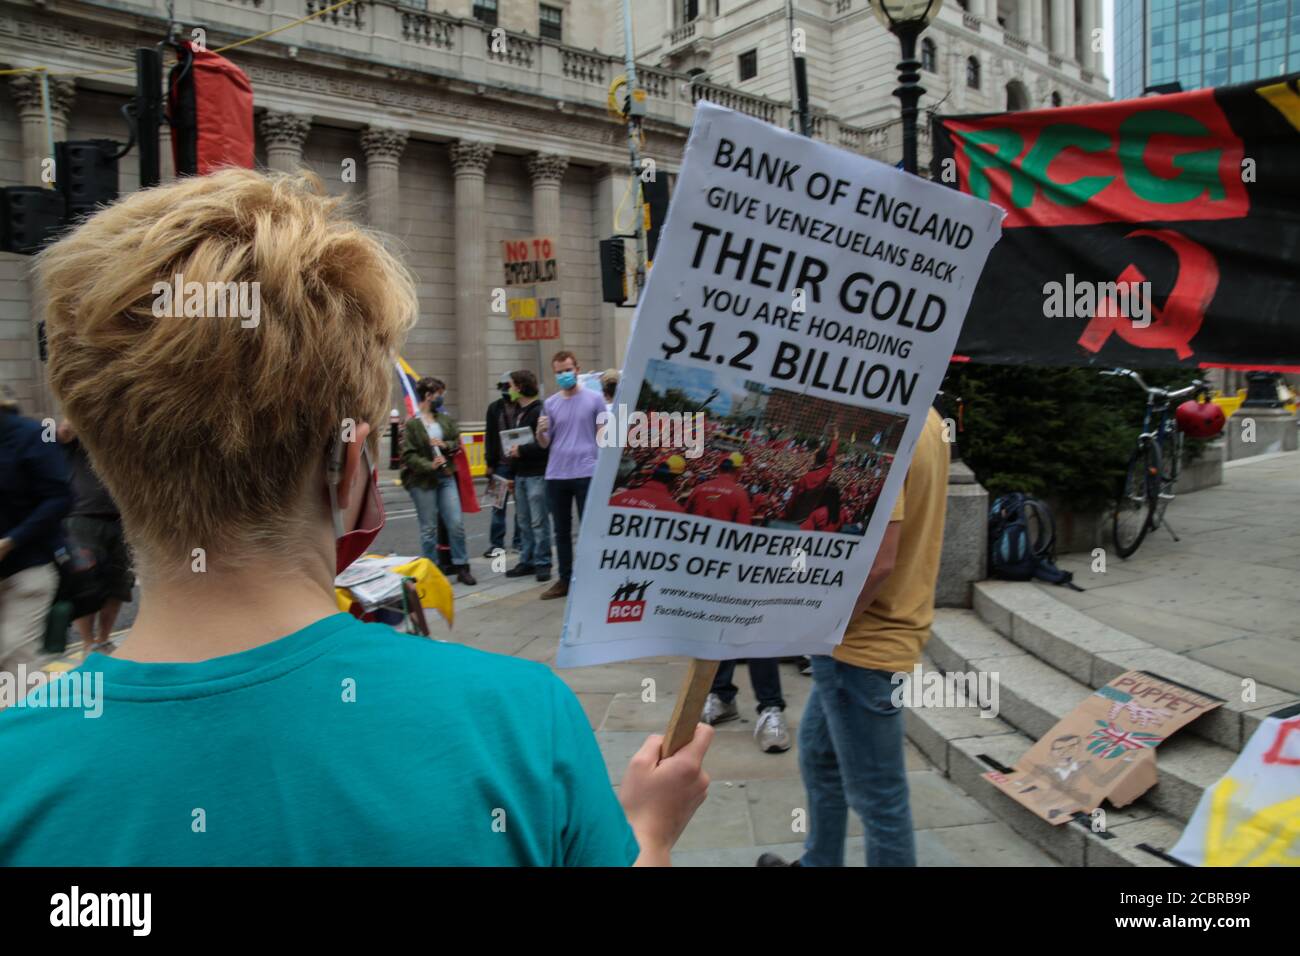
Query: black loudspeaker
pixel 655 193
pixel 30 216
pixel 613 271
pixel 86 172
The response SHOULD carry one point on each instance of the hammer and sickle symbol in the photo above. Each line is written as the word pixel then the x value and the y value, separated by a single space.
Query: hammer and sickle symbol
pixel 1178 322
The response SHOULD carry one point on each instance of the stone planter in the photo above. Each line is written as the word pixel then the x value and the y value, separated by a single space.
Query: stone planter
pixel 965 538
pixel 1083 531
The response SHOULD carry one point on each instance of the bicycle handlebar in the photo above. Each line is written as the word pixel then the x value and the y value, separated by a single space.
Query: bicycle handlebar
pixel 1197 386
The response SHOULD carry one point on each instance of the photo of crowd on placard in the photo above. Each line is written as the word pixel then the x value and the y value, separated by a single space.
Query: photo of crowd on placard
pixel 771 457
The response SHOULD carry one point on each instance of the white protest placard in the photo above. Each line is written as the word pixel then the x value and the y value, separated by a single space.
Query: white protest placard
pixel 799 319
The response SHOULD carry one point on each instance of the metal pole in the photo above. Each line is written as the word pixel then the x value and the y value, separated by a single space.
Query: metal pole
pixel 148 113
pixel 909 89
pixel 800 75
pixel 633 146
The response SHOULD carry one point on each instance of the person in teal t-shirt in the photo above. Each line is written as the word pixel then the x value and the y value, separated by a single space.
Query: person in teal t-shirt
pixel 245 721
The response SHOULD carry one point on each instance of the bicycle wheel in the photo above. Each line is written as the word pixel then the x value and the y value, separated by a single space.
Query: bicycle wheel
pixel 1136 500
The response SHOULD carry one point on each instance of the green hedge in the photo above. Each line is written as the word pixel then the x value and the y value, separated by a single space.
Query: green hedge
pixel 1066 433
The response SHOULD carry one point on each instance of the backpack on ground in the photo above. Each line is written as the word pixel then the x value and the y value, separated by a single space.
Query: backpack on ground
pixel 1022 541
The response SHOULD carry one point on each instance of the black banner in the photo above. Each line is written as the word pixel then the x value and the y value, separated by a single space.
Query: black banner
pixel 1162 231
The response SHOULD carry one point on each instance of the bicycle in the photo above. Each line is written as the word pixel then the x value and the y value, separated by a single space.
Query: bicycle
pixel 1154 466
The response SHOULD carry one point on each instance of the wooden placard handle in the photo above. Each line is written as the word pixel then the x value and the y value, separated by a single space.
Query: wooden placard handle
pixel 690 704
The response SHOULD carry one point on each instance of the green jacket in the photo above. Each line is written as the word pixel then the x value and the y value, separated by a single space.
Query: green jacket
pixel 417 452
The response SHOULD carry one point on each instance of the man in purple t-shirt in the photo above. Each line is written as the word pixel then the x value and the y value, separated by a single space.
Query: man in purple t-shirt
pixel 568 430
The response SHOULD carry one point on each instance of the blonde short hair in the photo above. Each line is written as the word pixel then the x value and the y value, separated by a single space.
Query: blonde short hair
pixel 205 430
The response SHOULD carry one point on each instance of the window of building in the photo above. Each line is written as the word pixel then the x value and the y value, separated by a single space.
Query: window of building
pixel 1056 98
pixel 485 11
pixel 748 65
pixel 973 73
pixel 929 58
pixel 690 10
pixel 550 24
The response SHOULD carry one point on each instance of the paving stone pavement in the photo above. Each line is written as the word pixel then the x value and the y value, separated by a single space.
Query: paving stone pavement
pixel 1226 594
pixel 754 798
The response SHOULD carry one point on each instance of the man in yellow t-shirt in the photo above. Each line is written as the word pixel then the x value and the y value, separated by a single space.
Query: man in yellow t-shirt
pixel 851 735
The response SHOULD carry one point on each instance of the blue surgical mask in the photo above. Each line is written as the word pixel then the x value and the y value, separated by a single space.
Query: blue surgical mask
pixel 436 403
pixel 566 379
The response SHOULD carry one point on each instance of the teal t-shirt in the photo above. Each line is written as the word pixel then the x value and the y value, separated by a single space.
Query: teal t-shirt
pixel 341 744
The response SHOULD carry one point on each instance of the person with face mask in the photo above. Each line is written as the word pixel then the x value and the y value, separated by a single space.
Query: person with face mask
pixel 502 415
pixel 242 697
pixel 430 440
pixel 567 430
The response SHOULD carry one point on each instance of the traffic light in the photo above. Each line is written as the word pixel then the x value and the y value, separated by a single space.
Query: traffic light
pixel 613 271
pixel 86 172
pixel 30 216
pixel 655 195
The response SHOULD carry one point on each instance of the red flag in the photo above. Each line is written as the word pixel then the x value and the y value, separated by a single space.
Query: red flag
pixel 465 484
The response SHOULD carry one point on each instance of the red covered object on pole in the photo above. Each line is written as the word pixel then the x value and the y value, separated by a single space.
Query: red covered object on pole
pixel 210 108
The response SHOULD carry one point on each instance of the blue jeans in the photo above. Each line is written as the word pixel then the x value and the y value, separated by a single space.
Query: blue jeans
pixel 764 674
pixel 562 494
pixel 441 502
pixel 851 755
pixel 497 529
pixel 534 522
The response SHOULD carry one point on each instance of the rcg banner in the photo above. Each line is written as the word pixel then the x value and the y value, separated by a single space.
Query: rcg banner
pixel 1157 231
pixel 800 315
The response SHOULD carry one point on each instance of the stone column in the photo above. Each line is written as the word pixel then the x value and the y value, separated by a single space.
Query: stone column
pixel 1025 19
pixel 1036 19
pixel 1093 18
pixel 469 162
pixel 383 148
pixel 1058 28
pixel 975 8
pixel 26 91
pixel 1088 21
pixel 546 171
pixel 284 135
pixel 31 384
pixel 1069 47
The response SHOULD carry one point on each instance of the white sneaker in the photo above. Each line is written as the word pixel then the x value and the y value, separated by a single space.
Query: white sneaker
pixel 771 732
pixel 718 711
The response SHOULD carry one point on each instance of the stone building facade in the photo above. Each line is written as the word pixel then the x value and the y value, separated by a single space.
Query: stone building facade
pixel 456 129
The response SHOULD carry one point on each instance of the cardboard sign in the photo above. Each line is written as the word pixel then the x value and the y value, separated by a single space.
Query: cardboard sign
pixel 804 299
pixel 537 330
pixel 1251 817
pixel 1104 749
pixel 530 261
pixel 534 308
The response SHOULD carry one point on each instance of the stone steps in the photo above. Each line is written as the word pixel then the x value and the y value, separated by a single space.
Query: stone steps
pixel 965 746
pixel 1048 657
pixel 1093 653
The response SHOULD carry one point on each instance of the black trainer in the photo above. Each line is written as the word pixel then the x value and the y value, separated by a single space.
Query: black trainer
pixel 771 859
pixel 544 574
pixel 519 570
pixel 464 577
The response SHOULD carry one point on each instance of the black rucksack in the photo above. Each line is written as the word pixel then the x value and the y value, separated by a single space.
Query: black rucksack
pixel 1022 541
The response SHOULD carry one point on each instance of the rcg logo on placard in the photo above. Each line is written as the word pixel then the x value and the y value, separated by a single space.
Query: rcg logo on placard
pixel 628 602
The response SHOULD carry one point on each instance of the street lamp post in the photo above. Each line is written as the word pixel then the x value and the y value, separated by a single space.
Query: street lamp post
pixel 906 19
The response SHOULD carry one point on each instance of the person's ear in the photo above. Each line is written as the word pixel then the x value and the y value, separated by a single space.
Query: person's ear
pixel 355 476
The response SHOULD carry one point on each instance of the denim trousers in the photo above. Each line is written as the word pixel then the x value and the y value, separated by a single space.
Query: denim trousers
pixel 534 521
pixel 441 502
pixel 497 529
pixel 851 755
